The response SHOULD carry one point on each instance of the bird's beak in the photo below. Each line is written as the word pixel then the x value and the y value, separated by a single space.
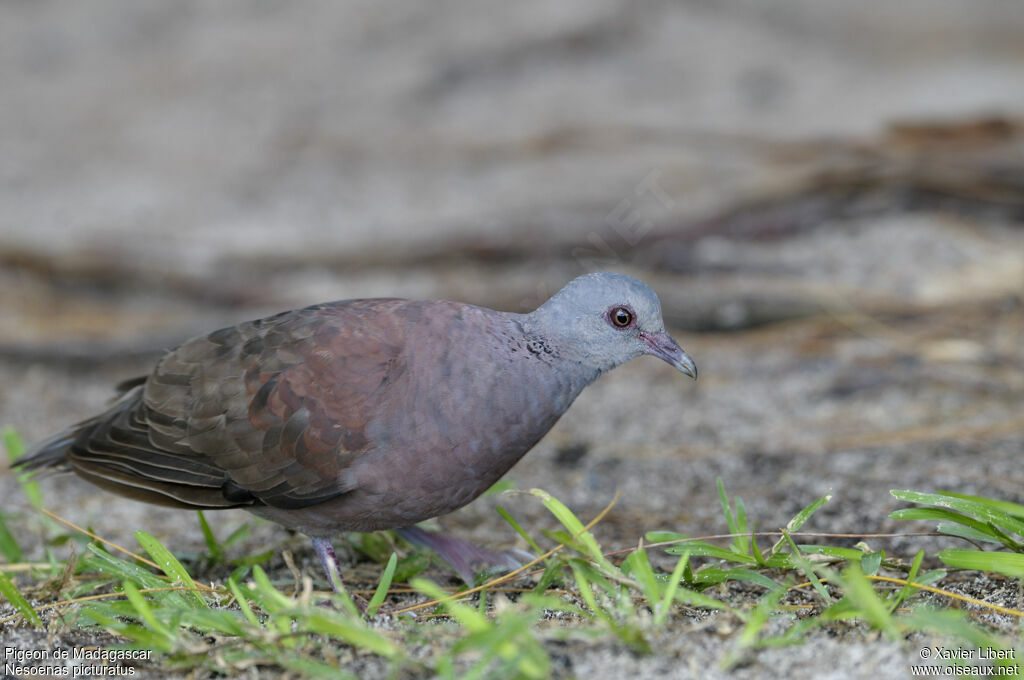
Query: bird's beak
pixel 664 346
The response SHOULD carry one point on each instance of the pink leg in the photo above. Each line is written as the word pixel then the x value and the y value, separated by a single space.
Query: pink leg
pixel 329 561
pixel 465 557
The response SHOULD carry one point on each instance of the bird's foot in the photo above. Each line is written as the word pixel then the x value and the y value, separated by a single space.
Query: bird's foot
pixel 329 561
pixel 466 558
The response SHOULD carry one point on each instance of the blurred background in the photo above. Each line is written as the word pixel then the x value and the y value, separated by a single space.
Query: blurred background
pixel 828 196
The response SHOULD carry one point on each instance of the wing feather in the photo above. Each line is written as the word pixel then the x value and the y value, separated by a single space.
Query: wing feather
pixel 271 412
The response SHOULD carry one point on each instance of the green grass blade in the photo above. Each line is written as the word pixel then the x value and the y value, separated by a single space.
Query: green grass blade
pixel 979 529
pixel 870 562
pixel 111 609
pixel 981 510
pixel 411 565
pixel 587 593
pixel 930 577
pixel 18 601
pixel 270 599
pixel 140 635
pixel 500 486
pixel 754 549
pixel 1015 546
pixel 511 645
pixel 552 573
pixel 377 545
pixel 695 599
pixel 716 575
pixel 126 571
pixel 702 549
pixel 1010 564
pixel 1009 508
pixel 866 602
pixel 350 630
pixel 565 538
pixel 171 566
pixel 850 554
pixel 574 525
pixel 15 446
pixel 800 519
pixel 382 587
pixel 723 501
pixel 481 602
pixel 755 623
pixel 213 546
pixel 965 532
pixel 611 588
pixel 304 667
pixel 639 567
pixel 235 536
pixel 519 530
pixel 805 566
pixel 663 608
pixel 741 543
pixel 664 537
pixel 688 573
pixel 144 611
pixel 953 624
pixel 471 619
pixel 247 561
pixel 905 591
pixel 732 519
pixel 342 597
pixel 9 547
pixel 243 602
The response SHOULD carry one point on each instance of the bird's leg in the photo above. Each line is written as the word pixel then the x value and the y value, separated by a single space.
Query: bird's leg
pixel 329 561
pixel 465 557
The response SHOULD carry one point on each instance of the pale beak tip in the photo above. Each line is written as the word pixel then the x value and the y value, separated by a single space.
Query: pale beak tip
pixel 685 365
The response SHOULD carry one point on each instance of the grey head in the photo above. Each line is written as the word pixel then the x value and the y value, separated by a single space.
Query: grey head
pixel 603 320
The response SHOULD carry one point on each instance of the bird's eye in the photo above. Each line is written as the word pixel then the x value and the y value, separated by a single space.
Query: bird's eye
pixel 621 317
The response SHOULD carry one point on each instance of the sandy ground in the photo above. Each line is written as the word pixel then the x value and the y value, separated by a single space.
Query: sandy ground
pixel 851 291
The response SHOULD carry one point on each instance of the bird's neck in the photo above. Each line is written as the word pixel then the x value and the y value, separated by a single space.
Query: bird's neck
pixel 574 366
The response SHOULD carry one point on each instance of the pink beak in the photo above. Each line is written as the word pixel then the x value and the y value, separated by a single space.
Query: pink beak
pixel 664 346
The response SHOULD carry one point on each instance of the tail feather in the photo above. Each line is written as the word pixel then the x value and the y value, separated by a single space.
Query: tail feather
pixel 112 450
pixel 52 452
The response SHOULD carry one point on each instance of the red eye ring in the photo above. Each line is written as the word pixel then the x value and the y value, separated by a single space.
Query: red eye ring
pixel 621 317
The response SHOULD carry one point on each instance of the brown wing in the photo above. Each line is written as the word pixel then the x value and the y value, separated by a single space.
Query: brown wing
pixel 271 411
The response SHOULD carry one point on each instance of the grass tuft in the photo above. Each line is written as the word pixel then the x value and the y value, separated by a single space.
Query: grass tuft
pixel 771 590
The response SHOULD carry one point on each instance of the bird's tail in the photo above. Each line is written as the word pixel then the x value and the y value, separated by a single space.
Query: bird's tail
pixel 52 452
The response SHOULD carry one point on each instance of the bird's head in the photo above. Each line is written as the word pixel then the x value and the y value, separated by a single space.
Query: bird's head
pixel 606 319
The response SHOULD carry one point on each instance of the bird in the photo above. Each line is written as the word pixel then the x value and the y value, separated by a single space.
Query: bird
pixel 361 415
